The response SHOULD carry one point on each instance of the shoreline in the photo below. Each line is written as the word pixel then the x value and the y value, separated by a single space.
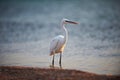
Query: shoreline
pixel 36 73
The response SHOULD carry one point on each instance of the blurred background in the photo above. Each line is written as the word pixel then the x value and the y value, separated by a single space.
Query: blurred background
pixel 28 26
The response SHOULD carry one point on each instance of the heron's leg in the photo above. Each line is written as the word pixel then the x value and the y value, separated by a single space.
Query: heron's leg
pixel 53 59
pixel 60 59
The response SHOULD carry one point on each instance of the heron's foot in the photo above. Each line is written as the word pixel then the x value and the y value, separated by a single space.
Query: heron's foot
pixel 51 66
pixel 60 66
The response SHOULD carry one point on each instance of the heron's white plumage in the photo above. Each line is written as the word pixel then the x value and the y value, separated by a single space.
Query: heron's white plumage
pixel 57 44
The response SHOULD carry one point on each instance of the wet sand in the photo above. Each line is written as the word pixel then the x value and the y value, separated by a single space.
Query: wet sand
pixel 35 73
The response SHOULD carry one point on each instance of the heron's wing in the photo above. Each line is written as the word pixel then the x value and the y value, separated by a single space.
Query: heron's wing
pixel 56 43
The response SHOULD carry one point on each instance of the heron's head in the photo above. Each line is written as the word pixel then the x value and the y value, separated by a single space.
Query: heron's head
pixel 66 21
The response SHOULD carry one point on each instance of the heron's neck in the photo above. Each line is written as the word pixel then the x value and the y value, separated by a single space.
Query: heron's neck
pixel 65 33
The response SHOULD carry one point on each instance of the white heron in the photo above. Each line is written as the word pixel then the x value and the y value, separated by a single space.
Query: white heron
pixel 58 43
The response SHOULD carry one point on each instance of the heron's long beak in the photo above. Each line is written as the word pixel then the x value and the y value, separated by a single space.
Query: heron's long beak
pixel 72 22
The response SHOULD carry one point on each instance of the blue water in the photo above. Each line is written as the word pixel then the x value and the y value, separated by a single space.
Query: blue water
pixel 26 28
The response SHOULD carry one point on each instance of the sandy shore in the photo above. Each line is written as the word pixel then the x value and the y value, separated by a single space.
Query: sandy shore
pixel 33 73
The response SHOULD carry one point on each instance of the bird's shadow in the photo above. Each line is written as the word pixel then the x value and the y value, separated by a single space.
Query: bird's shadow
pixel 55 67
